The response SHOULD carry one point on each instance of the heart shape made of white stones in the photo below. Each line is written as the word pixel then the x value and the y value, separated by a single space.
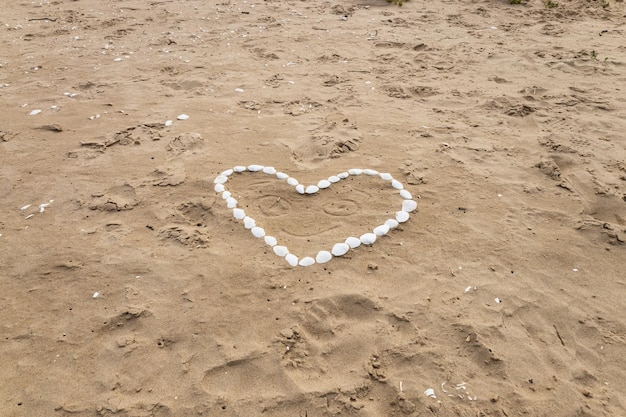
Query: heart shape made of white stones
pixel 339 249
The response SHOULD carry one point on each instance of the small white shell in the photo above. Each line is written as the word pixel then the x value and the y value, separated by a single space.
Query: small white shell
pixel 270 240
pixel 220 179
pixel 343 175
pixel 409 205
pixel 323 256
pixel 355 171
pixel 397 185
pixel 281 176
pixel 306 261
pixel 34 112
pixel 368 238
pixel 219 188
pixel 312 189
pixel 323 184
pixel 300 188
pixel 291 259
pixel 239 214
pixel 405 194
pixel 226 194
pixel 392 223
pixel 182 117
pixel 239 168
pixel 255 168
pixel 353 242
pixel 258 231
pixel 340 249
pixel 381 230
pixel 281 251
pixel 231 202
pixel 402 216
pixel 370 171
pixel 292 181
pixel 248 222
pixel 386 176
pixel 334 178
pixel 227 173
pixel 269 170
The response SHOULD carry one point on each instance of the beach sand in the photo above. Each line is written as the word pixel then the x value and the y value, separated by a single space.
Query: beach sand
pixel 128 288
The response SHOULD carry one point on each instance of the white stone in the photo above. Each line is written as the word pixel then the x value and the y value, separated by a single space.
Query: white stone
pixel 270 240
pixel 312 189
pixel 370 171
pixel 306 261
pixel 220 179
pixel 381 230
pixel 397 185
pixel 353 242
pixel 239 168
pixel 182 117
pixel 255 168
pixel 323 184
pixel 340 249
pixel 281 176
pixel 269 170
pixel 34 112
pixel 227 173
pixel 281 251
pixel 392 223
pixel 300 188
pixel 355 171
pixel 258 231
pixel 219 188
pixel 368 238
pixel 291 259
pixel 334 178
pixel 239 214
pixel 231 202
pixel 343 175
pixel 226 194
pixel 409 205
pixel 386 176
pixel 402 216
pixel 248 222
pixel 323 256
pixel 405 194
pixel 292 181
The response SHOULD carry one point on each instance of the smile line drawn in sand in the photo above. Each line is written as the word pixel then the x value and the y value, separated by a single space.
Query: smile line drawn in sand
pixel 339 249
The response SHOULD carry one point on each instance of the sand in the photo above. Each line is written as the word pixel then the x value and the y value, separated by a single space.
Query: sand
pixel 132 291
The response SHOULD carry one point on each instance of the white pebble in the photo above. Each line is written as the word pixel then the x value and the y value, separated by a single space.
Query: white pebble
pixel 311 189
pixel 343 175
pixel 227 173
pixel 323 256
pixel 397 185
pixel 239 214
pixel 355 171
pixel 182 117
pixel 370 171
pixel 255 168
pixel 34 112
pixel 220 179
pixel 248 222
pixel 270 240
pixel 392 223
pixel 381 230
pixel 226 194
pixel 258 231
pixel 281 251
pixel 291 259
pixel 292 181
pixel 353 242
pixel 231 202
pixel 239 168
pixel 386 176
pixel 334 178
pixel 405 194
pixel 96 294
pixel 281 175
pixel 300 188
pixel 402 216
pixel 219 188
pixel 269 170
pixel 306 261
pixel 323 184
pixel 168 123
pixel 409 205
pixel 368 238
pixel 340 249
